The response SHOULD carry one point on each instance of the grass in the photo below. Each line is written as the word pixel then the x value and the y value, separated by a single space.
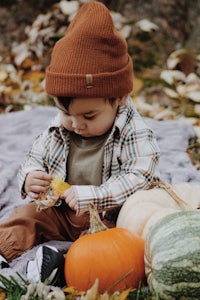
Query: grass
pixel 11 289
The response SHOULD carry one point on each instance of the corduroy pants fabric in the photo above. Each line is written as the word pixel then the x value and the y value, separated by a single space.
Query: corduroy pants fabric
pixel 27 227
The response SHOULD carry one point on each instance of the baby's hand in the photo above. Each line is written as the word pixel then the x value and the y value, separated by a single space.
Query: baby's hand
pixel 70 198
pixel 37 182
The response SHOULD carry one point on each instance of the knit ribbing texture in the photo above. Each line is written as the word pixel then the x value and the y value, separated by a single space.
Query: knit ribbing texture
pixel 91 60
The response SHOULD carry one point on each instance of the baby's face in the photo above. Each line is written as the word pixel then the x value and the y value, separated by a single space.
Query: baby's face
pixel 89 117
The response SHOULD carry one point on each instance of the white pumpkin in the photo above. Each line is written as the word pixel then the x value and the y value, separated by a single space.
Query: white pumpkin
pixel 155 217
pixel 145 207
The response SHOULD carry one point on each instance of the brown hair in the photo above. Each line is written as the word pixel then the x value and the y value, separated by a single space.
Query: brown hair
pixel 66 101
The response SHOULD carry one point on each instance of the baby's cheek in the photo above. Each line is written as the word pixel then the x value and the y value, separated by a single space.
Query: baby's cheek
pixel 67 124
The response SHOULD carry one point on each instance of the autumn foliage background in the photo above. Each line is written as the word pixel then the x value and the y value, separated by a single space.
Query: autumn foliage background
pixel 163 39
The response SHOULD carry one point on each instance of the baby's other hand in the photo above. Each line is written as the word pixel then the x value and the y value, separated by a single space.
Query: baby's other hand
pixel 70 198
pixel 37 182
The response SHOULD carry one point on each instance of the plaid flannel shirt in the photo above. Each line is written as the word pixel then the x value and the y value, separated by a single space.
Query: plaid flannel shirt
pixel 131 155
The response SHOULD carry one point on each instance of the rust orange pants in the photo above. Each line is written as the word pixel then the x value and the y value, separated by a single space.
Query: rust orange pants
pixel 27 227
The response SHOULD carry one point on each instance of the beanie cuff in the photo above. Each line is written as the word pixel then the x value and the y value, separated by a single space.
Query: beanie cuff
pixel 115 84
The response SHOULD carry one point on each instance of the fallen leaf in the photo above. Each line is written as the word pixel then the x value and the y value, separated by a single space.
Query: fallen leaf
pixel 2 295
pixel 194 96
pixel 123 295
pixel 137 85
pixel 171 93
pixel 34 76
pixel 28 63
pixel 21 52
pixel 68 8
pixel 146 25
pixel 3 75
pixel 182 59
pixel 92 293
pixel 70 290
pixel 172 76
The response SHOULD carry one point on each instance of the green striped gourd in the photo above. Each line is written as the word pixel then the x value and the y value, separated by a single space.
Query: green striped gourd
pixel 172 256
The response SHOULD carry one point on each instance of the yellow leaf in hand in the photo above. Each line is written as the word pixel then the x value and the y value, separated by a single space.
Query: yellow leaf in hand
pixel 59 186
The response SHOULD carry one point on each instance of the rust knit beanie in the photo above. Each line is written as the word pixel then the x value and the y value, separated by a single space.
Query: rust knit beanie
pixel 91 60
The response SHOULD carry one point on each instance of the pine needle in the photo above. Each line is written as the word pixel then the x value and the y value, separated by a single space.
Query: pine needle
pixel 12 288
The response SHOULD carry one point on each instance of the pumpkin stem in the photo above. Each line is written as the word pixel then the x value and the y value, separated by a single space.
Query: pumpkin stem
pixel 169 190
pixel 96 224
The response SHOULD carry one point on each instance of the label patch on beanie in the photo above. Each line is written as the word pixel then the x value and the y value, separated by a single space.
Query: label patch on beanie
pixel 89 81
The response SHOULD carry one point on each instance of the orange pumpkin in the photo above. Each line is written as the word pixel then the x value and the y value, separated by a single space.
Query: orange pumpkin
pixel 115 256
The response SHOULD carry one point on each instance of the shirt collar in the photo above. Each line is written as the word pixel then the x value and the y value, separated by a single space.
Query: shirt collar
pixel 121 118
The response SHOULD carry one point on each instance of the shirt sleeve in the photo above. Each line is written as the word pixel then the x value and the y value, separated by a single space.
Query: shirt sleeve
pixel 139 159
pixel 33 161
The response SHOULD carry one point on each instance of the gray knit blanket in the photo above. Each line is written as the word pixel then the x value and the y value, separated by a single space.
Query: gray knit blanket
pixel 18 131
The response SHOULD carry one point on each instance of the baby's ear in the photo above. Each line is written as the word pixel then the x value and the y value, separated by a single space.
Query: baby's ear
pixel 122 100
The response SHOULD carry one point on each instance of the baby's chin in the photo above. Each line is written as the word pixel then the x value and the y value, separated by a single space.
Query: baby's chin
pixel 87 134
pixel 84 135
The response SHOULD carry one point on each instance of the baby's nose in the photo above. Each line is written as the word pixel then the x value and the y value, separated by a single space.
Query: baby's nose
pixel 77 123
